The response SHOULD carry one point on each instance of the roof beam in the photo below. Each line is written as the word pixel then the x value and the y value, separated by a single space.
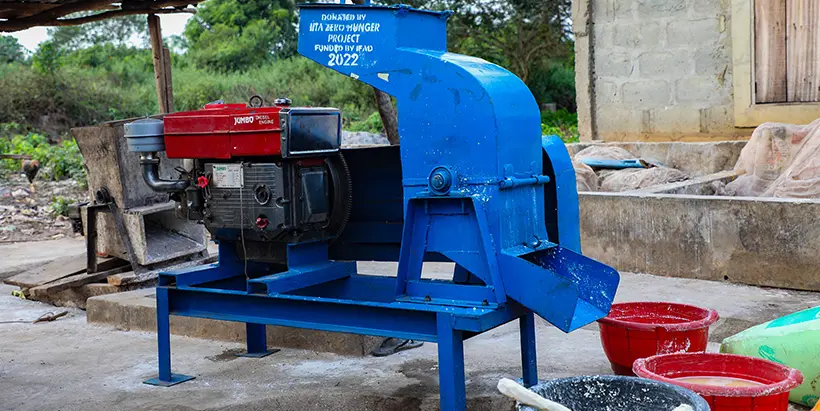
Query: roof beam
pixel 52 17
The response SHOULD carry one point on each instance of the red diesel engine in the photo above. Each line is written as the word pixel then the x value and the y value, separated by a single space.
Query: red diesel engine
pixel 262 175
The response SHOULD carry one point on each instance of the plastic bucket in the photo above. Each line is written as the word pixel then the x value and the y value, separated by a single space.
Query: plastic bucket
pixel 770 393
pixel 614 393
pixel 636 330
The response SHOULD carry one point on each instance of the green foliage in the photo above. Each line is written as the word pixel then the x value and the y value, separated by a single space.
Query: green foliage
pixel 531 38
pixel 555 85
pixel 121 65
pixel 57 161
pixel 372 124
pixel 11 51
pixel 236 35
pixel 561 123
pixel 116 31
pixel 59 206
pixel 46 60
pixel 70 95
pixel 303 81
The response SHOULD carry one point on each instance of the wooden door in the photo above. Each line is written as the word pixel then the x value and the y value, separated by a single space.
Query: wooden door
pixel 787 59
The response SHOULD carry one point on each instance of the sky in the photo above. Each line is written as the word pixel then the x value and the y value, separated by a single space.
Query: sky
pixel 171 24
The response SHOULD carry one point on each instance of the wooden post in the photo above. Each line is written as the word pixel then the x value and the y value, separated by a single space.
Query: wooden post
pixel 169 85
pixel 162 66
pixel 388 114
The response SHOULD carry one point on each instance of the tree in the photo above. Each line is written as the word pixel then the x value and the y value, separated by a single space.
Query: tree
pixel 118 31
pixel 519 34
pixel 230 35
pixel 10 50
pixel 531 38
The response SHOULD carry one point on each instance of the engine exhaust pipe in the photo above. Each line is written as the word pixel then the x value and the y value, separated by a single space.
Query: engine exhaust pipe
pixel 150 173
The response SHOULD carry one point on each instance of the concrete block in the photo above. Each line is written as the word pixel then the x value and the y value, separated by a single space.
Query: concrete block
pixel 645 35
pixel 610 10
pixel 712 60
pixel 717 119
pixel 613 64
pixel 136 310
pixel 700 32
pixel 676 63
pixel 608 92
pixel 708 8
pixel 660 8
pixel 616 118
pixel 705 90
pixel 646 93
pixel 681 119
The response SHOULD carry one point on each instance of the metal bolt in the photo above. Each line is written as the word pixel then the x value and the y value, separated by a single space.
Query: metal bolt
pixel 438 181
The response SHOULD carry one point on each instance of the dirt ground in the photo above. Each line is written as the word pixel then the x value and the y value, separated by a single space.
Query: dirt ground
pixel 25 209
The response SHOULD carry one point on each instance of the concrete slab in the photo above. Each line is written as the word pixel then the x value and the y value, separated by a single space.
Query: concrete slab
pixel 17 257
pixel 136 310
pixel 760 241
pixel 71 365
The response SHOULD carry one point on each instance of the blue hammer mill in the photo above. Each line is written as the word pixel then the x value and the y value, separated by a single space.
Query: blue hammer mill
pixel 473 182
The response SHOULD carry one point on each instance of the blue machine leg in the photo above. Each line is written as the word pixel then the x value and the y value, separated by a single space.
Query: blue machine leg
pixel 166 378
pixel 453 392
pixel 256 338
pixel 529 362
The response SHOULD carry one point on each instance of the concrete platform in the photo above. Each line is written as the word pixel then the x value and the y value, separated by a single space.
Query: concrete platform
pixel 136 311
pixel 72 365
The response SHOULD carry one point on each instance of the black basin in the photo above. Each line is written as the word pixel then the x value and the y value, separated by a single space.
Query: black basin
pixel 616 393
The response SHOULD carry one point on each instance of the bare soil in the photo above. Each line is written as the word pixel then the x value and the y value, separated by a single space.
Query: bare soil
pixel 25 209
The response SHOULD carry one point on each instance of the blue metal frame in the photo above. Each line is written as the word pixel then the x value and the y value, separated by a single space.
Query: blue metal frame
pixel 354 304
pixel 476 185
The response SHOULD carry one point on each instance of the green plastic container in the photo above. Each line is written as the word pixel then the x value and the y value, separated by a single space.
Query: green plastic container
pixel 793 340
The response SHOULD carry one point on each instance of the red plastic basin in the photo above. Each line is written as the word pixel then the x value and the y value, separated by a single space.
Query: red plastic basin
pixel 776 380
pixel 636 330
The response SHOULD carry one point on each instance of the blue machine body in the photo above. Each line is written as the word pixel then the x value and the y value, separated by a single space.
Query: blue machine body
pixel 473 182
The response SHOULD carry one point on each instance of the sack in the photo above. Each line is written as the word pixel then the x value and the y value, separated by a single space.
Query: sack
pixel 637 178
pixel 791 340
pixel 780 160
pixel 585 178
pixel 604 153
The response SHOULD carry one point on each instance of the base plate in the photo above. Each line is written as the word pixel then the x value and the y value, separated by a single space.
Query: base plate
pixel 259 354
pixel 175 379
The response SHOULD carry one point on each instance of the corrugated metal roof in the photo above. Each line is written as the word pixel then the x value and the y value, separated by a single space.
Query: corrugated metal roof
pixel 31 13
